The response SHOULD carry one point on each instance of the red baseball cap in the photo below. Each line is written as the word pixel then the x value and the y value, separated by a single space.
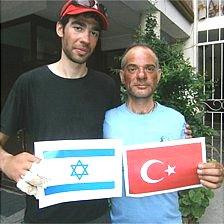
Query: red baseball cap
pixel 72 7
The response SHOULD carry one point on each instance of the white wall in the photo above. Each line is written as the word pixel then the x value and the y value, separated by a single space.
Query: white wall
pixel 211 23
pixel 168 9
pixel 169 20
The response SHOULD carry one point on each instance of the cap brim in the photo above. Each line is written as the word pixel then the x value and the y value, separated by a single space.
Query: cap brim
pixel 74 10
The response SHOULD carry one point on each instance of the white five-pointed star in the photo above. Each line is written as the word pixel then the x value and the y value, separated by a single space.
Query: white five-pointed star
pixel 170 170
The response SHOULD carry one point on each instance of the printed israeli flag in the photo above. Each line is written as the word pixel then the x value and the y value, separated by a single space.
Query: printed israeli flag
pixel 80 170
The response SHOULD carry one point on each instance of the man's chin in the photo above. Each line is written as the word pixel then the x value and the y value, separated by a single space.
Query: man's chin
pixel 141 95
pixel 80 60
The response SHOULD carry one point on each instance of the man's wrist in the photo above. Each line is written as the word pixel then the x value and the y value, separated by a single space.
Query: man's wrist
pixel 4 156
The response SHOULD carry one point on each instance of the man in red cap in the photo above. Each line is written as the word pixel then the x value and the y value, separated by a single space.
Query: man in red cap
pixel 61 101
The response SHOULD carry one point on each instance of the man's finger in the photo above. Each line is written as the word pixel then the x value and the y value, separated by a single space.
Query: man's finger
pixel 26 187
pixel 210 184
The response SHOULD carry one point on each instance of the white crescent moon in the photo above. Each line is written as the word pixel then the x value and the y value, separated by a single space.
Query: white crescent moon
pixel 144 171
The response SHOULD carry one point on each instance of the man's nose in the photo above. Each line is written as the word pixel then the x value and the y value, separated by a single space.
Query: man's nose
pixel 86 36
pixel 141 73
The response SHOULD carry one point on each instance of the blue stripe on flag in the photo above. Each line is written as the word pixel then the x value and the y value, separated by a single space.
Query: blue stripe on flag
pixel 78 153
pixel 78 187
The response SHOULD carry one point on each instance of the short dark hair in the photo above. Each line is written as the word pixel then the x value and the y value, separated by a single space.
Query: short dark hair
pixel 65 19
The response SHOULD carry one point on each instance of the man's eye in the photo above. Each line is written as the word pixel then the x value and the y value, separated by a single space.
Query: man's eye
pixel 78 28
pixel 95 33
pixel 132 69
pixel 150 69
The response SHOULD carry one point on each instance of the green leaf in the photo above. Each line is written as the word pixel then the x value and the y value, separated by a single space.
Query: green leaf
pixel 197 212
pixel 196 196
pixel 185 201
pixel 209 193
pixel 185 211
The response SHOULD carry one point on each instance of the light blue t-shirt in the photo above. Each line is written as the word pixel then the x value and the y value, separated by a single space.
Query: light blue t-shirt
pixel 162 124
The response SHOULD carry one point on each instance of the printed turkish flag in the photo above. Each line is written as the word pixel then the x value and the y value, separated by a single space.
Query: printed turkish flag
pixel 163 167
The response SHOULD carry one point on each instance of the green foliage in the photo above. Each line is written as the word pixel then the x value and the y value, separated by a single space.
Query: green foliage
pixel 193 203
pixel 182 89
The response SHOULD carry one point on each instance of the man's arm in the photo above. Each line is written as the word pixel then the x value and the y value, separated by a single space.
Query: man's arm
pixel 14 166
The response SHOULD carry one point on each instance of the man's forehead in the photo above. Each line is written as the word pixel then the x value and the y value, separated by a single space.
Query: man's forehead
pixel 139 50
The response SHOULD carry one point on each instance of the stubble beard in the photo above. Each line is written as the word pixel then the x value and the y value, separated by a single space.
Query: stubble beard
pixel 137 94
pixel 75 58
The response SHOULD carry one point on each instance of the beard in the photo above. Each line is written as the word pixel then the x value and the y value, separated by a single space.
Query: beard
pixel 75 57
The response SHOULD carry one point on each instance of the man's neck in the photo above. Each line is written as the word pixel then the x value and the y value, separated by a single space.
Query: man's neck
pixel 68 70
pixel 141 106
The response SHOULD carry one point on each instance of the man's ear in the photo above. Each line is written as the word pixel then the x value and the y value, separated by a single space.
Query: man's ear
pixel 59 29
pixel 159 73
pixel 122 76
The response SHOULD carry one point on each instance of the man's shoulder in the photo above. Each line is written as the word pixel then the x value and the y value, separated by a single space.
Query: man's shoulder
pixel 115 111
pixel 29 77
pixel 33 73
pixel 169 110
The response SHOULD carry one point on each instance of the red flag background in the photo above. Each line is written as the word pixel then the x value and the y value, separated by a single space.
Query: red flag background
pixel 182 160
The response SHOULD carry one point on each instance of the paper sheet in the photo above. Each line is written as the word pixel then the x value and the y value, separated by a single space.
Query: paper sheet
pixel 80 170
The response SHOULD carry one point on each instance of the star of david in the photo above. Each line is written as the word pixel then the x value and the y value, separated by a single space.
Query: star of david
pixel 79 170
